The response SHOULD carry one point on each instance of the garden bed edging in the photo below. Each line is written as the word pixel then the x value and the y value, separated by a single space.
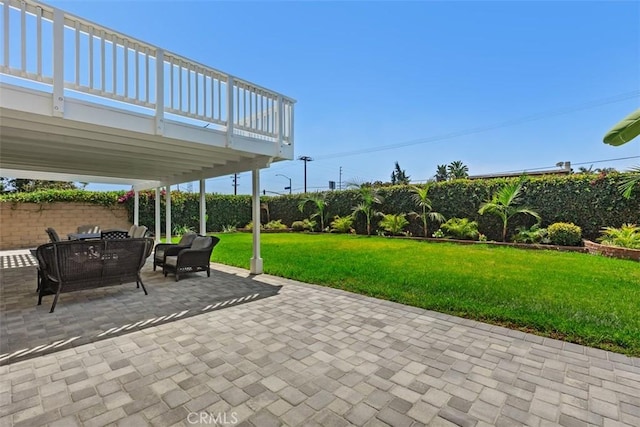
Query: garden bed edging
pixel 612 251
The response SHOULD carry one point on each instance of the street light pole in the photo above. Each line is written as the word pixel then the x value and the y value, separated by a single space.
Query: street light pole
pixel 305 159
pixel 284 176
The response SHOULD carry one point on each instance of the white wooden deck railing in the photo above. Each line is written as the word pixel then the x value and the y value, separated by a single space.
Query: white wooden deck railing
pixel 46 45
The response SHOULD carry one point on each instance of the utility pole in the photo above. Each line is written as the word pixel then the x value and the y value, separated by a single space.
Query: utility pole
pixel 235 184
pixel 305 159
pixel 340 180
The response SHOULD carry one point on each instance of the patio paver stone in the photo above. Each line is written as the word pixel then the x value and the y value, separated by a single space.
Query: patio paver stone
pixel 317 356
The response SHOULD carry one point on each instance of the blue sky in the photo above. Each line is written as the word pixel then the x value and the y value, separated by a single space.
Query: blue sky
pixel 502 86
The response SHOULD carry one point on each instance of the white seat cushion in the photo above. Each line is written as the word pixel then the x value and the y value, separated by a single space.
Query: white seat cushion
pixel 171 260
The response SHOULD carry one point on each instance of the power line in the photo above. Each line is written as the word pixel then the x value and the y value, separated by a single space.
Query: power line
pixel 479 129
pixel 608 160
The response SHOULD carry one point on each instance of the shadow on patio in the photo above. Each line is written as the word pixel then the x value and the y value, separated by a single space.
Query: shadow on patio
pixel 28 330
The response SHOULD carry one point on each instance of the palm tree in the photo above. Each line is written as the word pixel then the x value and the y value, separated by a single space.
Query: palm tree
pixel 458 170
pixel 502 204
pixel 370 197
pixel 320 205
pixel 441 173
pixel 629 182
pixel 420 197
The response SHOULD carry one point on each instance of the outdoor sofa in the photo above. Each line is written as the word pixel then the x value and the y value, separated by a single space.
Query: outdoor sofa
pixel 75 265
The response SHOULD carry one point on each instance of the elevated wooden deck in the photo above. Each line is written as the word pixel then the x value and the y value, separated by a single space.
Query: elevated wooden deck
pixel 81 102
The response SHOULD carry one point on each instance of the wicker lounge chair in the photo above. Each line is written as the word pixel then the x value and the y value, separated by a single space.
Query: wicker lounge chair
pixel 195 258
pixel 168 249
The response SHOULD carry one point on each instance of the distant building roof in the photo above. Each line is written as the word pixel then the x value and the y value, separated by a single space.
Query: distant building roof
pixel 565 170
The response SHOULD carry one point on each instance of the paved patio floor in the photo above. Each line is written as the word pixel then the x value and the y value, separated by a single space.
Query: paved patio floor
pixel 29 330
pixel 317 356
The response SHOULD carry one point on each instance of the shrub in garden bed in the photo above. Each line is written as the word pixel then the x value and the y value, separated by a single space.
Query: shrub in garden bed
pixel 394 224
pixel 564 234
pixel 342 224
pixel 459 228
pixel 627 236
pixel 533 235
pixel 298 226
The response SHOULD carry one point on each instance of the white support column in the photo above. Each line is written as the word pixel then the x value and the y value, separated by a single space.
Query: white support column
pixel 203 209
pixel 58 63
pixel 157 213
pixel 256 261
pixel 136 207
pixel 167 219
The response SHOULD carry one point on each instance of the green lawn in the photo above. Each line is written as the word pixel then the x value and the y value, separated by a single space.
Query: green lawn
pixel 576 297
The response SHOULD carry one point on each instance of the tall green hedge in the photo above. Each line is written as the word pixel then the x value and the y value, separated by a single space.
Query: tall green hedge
pixel 221 210
pixel 589 201
pixel 102 198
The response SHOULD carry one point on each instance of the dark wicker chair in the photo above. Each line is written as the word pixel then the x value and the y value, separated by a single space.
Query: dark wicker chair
pixel 53 235
pixel 169 249
pixel 195 258
pixel 139 231
pixel 114 234
pixel 83 264
pixel 46 277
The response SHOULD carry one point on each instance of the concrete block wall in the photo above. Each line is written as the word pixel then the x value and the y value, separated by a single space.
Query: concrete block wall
pixel 22 225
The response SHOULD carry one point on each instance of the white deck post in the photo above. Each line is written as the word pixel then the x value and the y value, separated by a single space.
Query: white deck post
pixel 230 112
pixel 290 126
pixel 203 209
pixel 157 213
pixel 58 63
pixel 256 261
pixel 279 122
pixel 159 92
pixel 136 207
pixel 167 219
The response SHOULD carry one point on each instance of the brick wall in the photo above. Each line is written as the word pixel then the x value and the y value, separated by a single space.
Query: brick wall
pixel 22 225
pixel 612 251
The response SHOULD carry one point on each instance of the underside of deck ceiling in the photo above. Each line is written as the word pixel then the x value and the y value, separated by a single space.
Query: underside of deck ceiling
pixel 39 146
